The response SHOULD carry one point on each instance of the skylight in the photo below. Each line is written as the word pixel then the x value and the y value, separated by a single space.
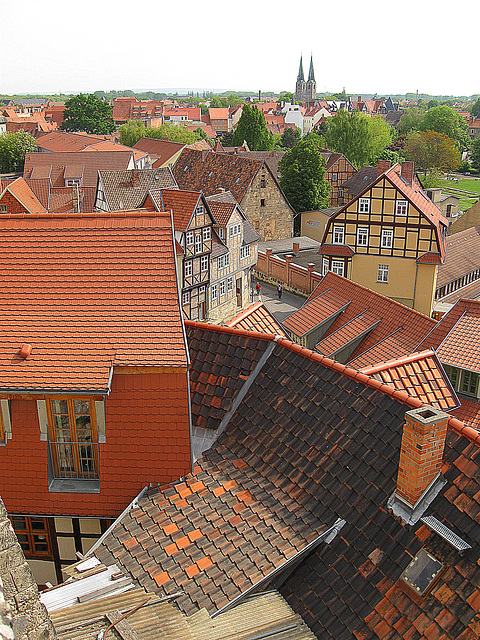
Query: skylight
pixel 422 572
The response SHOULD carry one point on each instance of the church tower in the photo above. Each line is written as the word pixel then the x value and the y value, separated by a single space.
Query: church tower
pixel 311 85
pixel 300 87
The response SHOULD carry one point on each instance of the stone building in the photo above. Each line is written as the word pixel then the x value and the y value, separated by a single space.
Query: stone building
pixel 305 91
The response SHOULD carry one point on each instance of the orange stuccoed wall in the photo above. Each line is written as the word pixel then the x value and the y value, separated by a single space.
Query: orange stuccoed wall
pixel 147 440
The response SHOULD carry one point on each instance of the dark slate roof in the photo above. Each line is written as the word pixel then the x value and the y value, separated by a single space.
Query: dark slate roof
pixel 272 158
pixel 360 180
pixel 127 189
pixel 311 442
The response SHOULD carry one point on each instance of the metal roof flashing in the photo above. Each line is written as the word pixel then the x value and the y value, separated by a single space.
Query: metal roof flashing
pixel 412 514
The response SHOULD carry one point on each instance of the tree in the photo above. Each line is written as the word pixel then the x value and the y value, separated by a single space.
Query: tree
pixel 445 120
pixel 475 109
pixel 200 133
pixel 432 151
pixel 252 128
pixel 286 96
pixel 357 136
pixel 13 147
pixel 88 113
pixel 290 137
pixel 476 154
pixel 410 121
pixel 303 177
pixel 132 132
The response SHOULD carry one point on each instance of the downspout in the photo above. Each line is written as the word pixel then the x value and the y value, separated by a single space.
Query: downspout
pixel 415 285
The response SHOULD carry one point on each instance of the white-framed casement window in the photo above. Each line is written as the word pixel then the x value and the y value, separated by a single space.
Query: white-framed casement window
pixel 387 238
pixel 221 233
pixel 204 263
pixel 401 207
pixel 223 261
pixel 382 275
pixel 325 266
pixel 199 208
pixel 362 236
pixel 186 297
pixel 338 267
pixel 214 291
pixel 198 243
pixel 189 237
pixel 221 287
pixel 338 235
pixel 207 233
pixel 188 268
pixel 464 381
pixel 234 230
pixel 244 252
pixel 230 284
pixel 364 205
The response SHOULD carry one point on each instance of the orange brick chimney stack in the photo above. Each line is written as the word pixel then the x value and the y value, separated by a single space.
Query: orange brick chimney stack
pixel 408 171
pixel 382 166
pixel 423 441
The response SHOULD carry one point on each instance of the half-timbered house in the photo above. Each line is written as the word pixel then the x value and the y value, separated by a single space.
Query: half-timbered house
pixel 390 238
pixel 337 170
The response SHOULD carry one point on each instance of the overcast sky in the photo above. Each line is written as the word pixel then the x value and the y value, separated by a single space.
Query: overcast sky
pixel 394 47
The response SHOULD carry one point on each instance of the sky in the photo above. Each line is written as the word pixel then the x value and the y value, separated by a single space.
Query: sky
pixel 383 48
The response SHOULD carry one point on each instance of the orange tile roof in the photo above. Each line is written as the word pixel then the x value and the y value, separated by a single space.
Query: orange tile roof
pixel 218 113
pixel 67 141
pixel 420 375
pixel 353 330
pixel 181 203
pixel 163 149
pixel 463 255
pixel 315 311
pixel 256 317
pixel 221 211
pixel 86 291
pixel 24 194
pixel 460 348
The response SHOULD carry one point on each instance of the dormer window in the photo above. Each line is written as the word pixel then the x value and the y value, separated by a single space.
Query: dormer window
pixel 463 381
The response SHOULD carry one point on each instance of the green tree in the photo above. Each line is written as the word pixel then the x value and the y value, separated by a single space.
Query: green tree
pixel 432 103
pixel 475 109
pixel 131 132
pixel 200 133
pixel 13 147
pixel 252 128
pixel 303 177
pixel 410 121
pixel 357 136
pixel 88 113
pixel 476 154
pixel 432 151
pixel 290 137
pixel 285 96
pixel 445 120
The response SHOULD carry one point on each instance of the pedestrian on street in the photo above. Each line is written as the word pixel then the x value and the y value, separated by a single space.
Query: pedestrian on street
pixel 257 289
pixel 279 291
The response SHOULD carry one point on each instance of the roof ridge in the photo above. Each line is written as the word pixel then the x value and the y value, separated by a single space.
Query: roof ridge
pixel 381 366
pixel 133 213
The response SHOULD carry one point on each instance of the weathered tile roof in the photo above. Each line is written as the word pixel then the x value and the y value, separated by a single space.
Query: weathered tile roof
pixel 67 141
pixel 360 180
pixel 22 192
pixel 256 317
pixel 462 255
pixel 86 291
pixel 271 158
pixel 421 375
pixel 127 189
pixel 209 172
pixel 311 444
pixel 330 158
pixel 182 203
pixel 161 149
pixel 222 211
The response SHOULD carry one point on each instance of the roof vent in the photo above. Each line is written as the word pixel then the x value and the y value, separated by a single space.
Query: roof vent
pixel 26 350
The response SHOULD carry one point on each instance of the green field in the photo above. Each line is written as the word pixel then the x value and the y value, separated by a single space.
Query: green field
pixel 465 184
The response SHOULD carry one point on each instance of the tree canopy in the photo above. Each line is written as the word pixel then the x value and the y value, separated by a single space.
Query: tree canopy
pixel 290 137
pixel 444 119
pixel 303 177
pixel 13 147
pixel 432 151
pixel 134 130
pixel 410 120
pixel 88 113
pixel 475 109
pixel 358 137
pixel 252 128
pixel 476 154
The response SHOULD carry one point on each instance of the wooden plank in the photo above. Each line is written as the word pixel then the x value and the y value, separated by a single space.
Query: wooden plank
pixel 124 630
pixel 113 586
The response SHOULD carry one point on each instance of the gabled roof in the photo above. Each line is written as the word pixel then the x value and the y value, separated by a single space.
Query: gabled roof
pixel 256 317
pixel 86 291
pixel 21 191
pixel 462 255
pixel 181 203
pixel 360 181
pixel 395 330
pixel 67 141
pixel 218 113
pixel 330 157
pixel 209 171
pixel 161 149
pixel 127 189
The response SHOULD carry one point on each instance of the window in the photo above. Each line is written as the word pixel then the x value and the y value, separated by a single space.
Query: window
pixel 325 266
pixel 338 235
pixel 201 289
pixel 334 177
pixel 3 208
pixel 207 233
pixel 230 284
pixel 221 288
pixel 186 297
pixel 214 291
pixel 387 238
pixel 244 252
pixel 73 438
pixel 204 263
pixel 338 267
pixel 223 261
pixel 189 237
pixel 221 233
pixel 362 236
pixel 382 275
pixel 469 383
pixel 198 243
pixel 199 209
pixel 422 571
pixel 33 536
pixel 263 182
pixel 234 230
pixel 262 202
pixel 401 207
pixel 364 205
pixel 188 268
pixel 453 374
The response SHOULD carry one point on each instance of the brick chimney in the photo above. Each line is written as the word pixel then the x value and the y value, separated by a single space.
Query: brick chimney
pixel 382 166
pixel 296 248
pixel 421 454
pixel 408 171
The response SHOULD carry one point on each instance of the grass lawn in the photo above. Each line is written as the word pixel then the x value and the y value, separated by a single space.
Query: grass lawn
pixel 466 184
pixel 466 203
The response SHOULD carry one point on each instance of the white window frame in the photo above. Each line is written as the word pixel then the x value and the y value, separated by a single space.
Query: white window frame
pixel 325 266
pixel 364 205
pixel 189 238
pixel 362 236
pixel 221 233
pixel 230 284
pixel 204 263
pixel 245 252
pixel 386 241
pixel 382 273
pixel 198 243
pixel 338 267
pixel 222 287
pixel 188 268
pixel 338 234
pixel 401 207
pixel 214 292
pixel 186 297
pixel 199 209
pixel 207 233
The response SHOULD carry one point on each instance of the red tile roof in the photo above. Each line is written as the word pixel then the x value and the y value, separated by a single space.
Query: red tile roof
pixel 66 141
pixel 86 291
pixel 336 250
pixel 218 113
pixel 161 149
pixel 257 317
pixel 24 194
pixel 420 375
pixel 181 203
pixel 463 255
pixel 353 330
pixel 461 346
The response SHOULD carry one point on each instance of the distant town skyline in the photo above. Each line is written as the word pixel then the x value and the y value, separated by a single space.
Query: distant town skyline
pixel 386 50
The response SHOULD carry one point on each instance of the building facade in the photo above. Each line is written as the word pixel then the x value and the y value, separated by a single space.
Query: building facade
pixel 305 91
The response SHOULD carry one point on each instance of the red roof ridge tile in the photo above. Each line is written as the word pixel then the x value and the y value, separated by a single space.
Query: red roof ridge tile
pixel 230 330
pixel 243 314
pixel 381 366
pixel 134 213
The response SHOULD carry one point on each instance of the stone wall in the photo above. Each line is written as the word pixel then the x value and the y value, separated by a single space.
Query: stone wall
pixel 294 277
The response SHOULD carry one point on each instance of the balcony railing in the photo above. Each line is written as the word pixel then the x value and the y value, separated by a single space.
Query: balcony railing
pixel 74 460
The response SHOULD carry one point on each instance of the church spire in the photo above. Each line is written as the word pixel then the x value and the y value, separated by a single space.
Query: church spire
pixel 300 77
pixel 311 74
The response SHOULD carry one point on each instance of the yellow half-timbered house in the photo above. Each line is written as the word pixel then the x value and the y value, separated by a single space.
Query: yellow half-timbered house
pixel 390 238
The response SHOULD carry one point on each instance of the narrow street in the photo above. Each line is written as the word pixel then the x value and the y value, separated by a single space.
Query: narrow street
pixel 281 309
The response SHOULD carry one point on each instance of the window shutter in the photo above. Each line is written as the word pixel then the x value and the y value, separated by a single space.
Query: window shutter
pixel 7 423
pixel 42 419
pixel 100 414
